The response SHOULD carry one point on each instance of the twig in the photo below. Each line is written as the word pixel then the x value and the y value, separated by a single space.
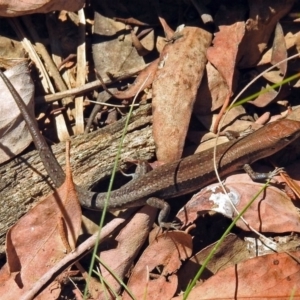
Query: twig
pixel 72 257
pixel 41 49
pixel 81 72
pixel 45 80
pixel 62 131
pixel 88 86
pixel 112 105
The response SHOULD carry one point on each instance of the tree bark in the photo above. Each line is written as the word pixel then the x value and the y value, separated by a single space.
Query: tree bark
pixel 24 180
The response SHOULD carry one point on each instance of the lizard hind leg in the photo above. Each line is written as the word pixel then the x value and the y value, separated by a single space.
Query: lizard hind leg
pixel 163 214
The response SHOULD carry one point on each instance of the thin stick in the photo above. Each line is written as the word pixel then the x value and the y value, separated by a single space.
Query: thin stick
pixel 88 86
pixel 81 73
pixel 71 257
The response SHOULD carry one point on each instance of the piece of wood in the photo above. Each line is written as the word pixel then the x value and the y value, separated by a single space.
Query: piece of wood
pixel 24 180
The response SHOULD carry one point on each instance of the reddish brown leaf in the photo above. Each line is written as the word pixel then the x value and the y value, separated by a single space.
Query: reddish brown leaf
pixel 263 17
pixel 212 92
pixel 129 242
pixel 279 53
pixel 231 251
pixel 40 239
pixel 273 276
pixel 177 79
pixel 144 79
pixel 229 38
pixel 271 205
pixel 166 253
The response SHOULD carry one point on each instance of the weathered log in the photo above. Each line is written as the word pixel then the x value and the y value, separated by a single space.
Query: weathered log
pixel 24 180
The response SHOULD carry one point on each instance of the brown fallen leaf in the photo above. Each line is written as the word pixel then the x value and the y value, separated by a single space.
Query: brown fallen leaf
pixel 263 17
pixel 39 240
pixel 233 250
pixel 141 80
pixel 212 92
pixel 289 41
pixel 273 276
pixel 232 122
pixel 143 48
pixel 166 253
pixel 229 37
pixel 21 8
pixel 126 247
pixel 271 205
pixel 112 43
pixel 175 86
pixel 291 177
pixel 279 53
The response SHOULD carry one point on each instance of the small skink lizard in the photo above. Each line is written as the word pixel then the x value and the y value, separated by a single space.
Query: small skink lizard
pixel 172 179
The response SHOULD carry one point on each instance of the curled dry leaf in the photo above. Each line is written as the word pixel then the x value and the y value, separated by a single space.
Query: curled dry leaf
pixel 21 8
pixel 290 40
pixel 129 242
pixel 166 252
pixel 14 134
pixel 279 53
pixel 232 251
pixel 263 17
pixel 271 205
pixel 234 121
pixel 39 240
pixel 229 38
pixel 145 79
pixel 273 276
pixel 175 86
pixel 291 179
pixel 212 92
pixel 147 46
pixel 12 52
pixel 112 50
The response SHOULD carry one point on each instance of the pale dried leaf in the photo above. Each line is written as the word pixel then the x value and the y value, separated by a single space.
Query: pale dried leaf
pixel 290 41
pixel 16 8
pixel 233 120
pixel 14 134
